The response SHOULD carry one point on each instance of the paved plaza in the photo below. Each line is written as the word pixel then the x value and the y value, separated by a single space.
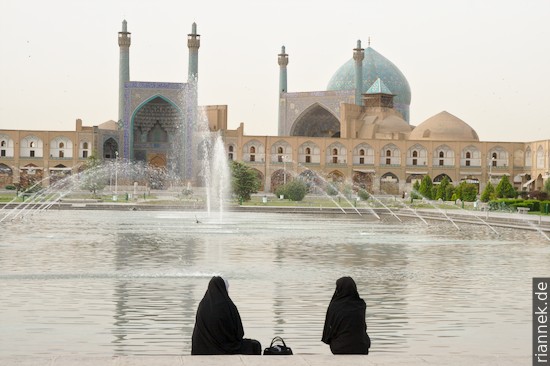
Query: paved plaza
pixel 239 360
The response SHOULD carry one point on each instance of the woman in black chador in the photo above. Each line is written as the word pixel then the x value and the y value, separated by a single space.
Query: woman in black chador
pixel 218 327
pixel 345 326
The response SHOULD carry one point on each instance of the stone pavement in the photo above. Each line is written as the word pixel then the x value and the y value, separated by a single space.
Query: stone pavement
pixel 240 360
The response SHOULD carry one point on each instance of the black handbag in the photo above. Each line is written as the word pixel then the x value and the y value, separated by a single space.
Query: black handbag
pixel 278 349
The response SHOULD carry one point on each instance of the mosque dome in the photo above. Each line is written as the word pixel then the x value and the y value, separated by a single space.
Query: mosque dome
pixel 375 66
pixel 444 126
pixel 393 124
pixel 109 125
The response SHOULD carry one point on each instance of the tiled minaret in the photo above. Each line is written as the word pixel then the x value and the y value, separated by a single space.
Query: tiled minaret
pixel 124 41
pixel 193 43
pixel 283 62
pixel 358 56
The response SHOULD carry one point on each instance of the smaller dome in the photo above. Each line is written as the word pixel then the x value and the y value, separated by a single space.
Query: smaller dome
pixel 109 125
pixel 393 124
pixel 444 126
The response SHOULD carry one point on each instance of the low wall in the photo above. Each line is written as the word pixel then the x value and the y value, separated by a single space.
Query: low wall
pixel 297 360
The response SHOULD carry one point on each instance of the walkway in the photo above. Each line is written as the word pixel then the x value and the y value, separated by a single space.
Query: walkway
pixel 297 360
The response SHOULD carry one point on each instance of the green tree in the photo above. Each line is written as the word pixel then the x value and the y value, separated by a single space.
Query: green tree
pixel 95 176
pixel 449 191
pixel 416 187
pixel 505 189
pixel 244 181
pixel 441 191
pixel 547 186
pixel 425 189
pixel 488 193
pixel 295 190
pixel 466 192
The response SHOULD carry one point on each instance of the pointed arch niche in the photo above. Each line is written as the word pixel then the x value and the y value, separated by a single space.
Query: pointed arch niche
pixel 316 121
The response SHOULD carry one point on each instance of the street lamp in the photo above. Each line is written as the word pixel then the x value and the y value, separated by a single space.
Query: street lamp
pixel 116 176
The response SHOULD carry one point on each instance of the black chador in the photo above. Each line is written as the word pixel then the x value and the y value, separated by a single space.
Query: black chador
pixel 218 327
pixel 345 327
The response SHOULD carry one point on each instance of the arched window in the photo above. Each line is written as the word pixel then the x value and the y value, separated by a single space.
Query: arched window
pixel 252 153
pixel 361 156
pixel 61 145
pixel 280 150
pixel 3 143
pixel 308 150
pixel 415 154
pixel 388 152
pixel 32 144
pixel 85 145
pixel 468 155
pixel 441 154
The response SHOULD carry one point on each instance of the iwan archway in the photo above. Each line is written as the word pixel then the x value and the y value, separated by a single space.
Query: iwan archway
pixel 316 121
pixel 157 133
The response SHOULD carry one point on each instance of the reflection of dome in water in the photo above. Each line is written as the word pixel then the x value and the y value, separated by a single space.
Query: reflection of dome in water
pixel 375 66
pixel 444 126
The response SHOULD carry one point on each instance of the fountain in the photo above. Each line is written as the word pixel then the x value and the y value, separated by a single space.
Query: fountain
pixel 110 283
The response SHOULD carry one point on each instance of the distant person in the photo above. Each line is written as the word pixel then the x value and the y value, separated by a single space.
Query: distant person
pixel 345 329
pixel 218 327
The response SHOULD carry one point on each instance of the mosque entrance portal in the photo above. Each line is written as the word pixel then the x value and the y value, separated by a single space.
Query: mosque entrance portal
pixel 156 127
pixel 316 121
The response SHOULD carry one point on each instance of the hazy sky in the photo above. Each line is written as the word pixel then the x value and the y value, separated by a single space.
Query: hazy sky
pixel 485 61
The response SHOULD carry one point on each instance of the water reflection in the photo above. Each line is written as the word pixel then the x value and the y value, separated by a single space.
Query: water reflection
pixel 128 283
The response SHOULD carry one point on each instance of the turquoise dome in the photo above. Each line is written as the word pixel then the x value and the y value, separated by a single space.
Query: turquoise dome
pixel 375 66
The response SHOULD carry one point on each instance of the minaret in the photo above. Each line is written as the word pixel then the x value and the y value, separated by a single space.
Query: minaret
pixel 283 62
pixel 124 41
pixel 193 43
pixel 358 56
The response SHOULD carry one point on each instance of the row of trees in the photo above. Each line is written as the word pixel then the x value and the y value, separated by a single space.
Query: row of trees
pixel 245 182
pixel 464 191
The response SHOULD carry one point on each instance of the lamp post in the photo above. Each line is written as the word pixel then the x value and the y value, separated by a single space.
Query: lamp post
pixel 116 176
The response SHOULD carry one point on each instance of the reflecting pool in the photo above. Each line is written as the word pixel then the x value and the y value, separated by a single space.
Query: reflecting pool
pixel 129 282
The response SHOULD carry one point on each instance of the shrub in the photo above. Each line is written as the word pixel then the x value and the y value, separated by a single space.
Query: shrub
pixel 545 207
pixel 534 205
pixel 363 194
pixel 10 187
pixel 538 195
pixel 294 191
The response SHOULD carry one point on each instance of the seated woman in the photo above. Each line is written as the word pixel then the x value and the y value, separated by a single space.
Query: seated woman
pixel 345 327
pixel 218 327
